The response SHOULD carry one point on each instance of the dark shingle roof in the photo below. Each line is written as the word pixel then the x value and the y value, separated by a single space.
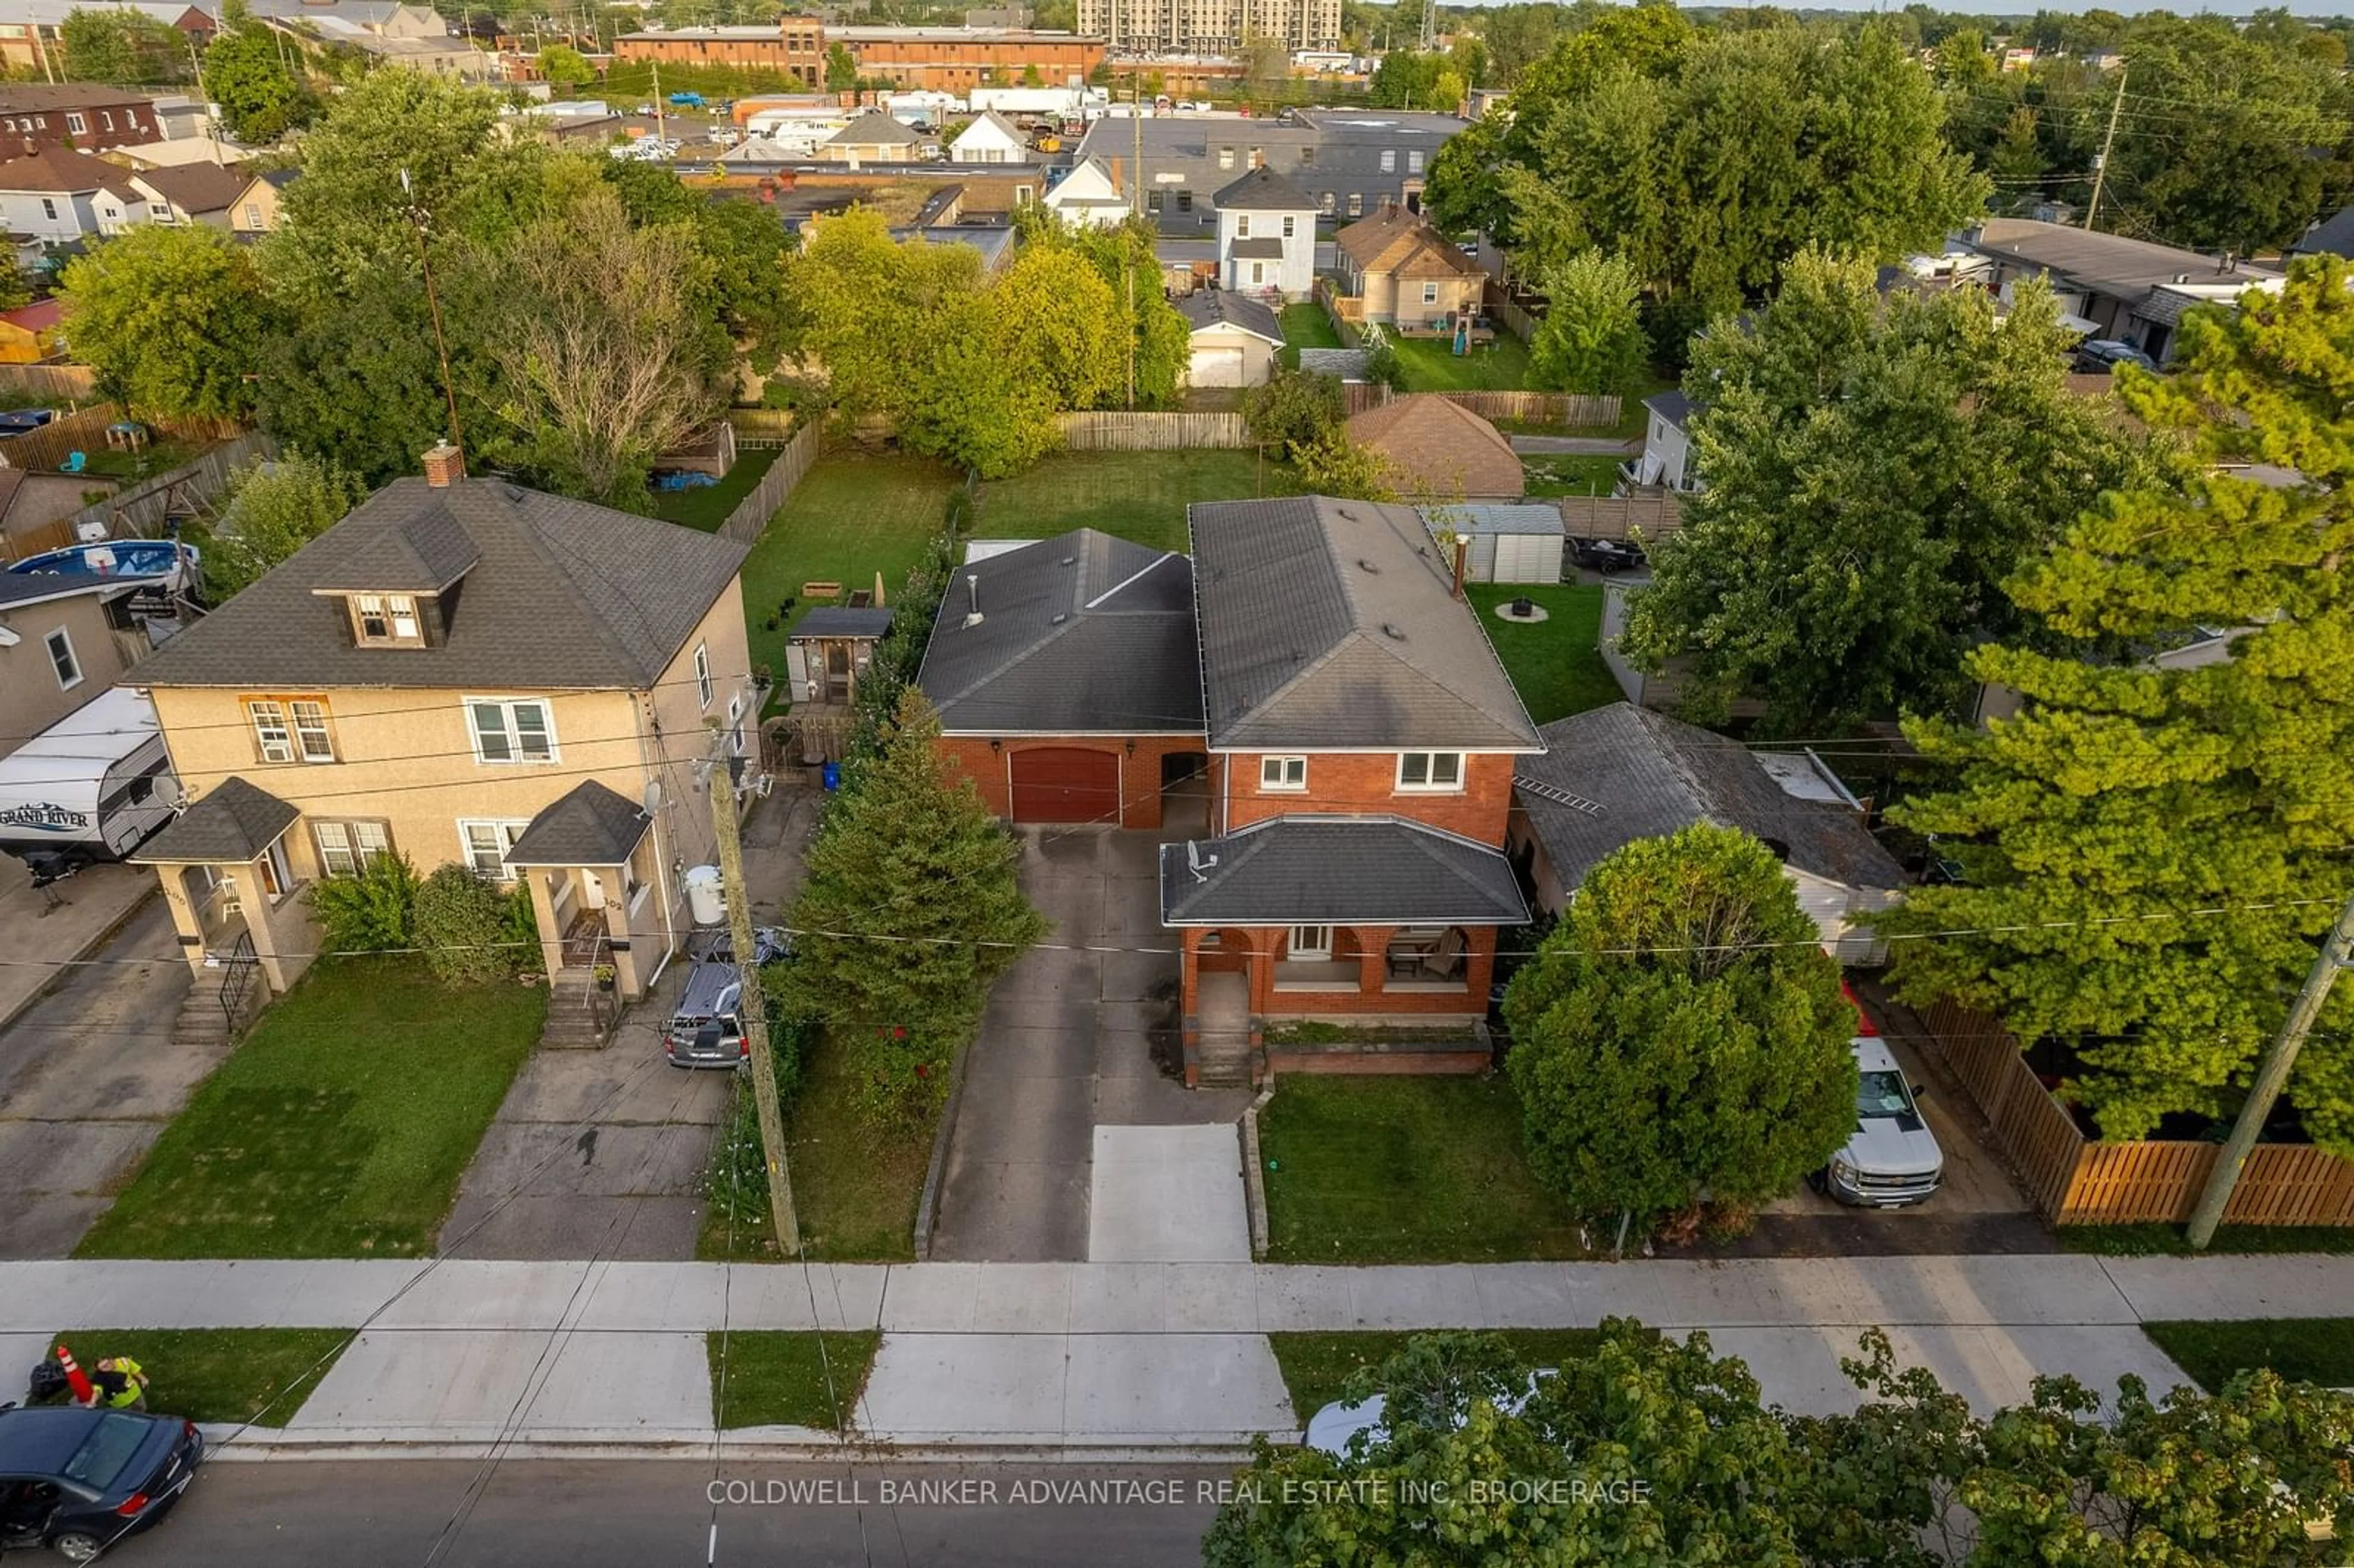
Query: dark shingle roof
pixel 589 825
pixel 1263 190
pixel 197 187
pixel 235 821
pixel 424 554
pixel 1207 308
pixel 1648 774
pixel 2333 236
pixel 1266 248
pixel 1671 406
pixel 842 620
pixel 1312 870
pixel 563 595
pixel 1080 634
pixel 1333 624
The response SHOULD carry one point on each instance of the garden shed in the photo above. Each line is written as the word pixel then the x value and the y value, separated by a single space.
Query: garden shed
pixel 1509 543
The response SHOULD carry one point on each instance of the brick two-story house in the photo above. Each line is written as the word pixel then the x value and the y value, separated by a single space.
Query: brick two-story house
pixel 1356 729
pixel 460 670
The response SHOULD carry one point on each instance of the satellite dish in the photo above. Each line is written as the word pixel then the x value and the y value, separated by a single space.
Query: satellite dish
pixel 652 798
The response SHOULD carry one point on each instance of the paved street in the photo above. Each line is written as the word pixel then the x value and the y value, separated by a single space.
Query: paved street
pixel 89 1075
pixel 1067 1046
pixel 391 1514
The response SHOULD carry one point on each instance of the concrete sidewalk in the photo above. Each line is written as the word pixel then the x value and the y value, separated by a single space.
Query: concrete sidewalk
pixel 1102 1356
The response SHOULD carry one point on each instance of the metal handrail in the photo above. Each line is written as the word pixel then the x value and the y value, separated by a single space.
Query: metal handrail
pixel 238 981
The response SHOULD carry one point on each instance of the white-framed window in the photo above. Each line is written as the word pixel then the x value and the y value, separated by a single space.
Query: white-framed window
pixel 1024 194
pixel 703 673
pixel 1430 294
pixel 314 741
pixel 1290 226
pixel 277 875
pixel 253 215
pixel 1242 226
pixel 106 119
pixel 1356 204
pixel 511 729
pixel 346 847
pixel 293 730
pixel 62 660
pixel 486 842
pixel 1312 942
pixel 386 618
pixel 1225 157
pixel 271 736
pixel 1284 773
pixel 76 125
pixel 49 210
pixel 736 723
pixel 1389 159
pixel 1331 201
pixel 1414 162
pixel 1430 770
pixel 1259 271
pixel 160 211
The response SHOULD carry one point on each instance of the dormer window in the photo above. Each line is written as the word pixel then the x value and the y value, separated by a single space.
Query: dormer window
pixel 386 620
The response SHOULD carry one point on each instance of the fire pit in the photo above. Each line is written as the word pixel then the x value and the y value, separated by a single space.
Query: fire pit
pixel 1523 610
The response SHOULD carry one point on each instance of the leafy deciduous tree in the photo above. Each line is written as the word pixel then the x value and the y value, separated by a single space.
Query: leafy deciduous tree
pixel 171 319
pixel 260 98
pixel 1591 339
pixel 272 511
pixel 1679 1033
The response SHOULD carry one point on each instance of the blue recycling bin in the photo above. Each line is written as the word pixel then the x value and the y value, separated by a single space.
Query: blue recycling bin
pixel 832 773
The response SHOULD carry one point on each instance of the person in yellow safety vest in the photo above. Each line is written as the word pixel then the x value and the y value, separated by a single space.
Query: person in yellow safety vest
pixel 122 1383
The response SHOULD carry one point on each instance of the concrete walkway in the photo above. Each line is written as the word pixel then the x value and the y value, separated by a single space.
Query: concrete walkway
pixel 1100 1356
pixel 1575 446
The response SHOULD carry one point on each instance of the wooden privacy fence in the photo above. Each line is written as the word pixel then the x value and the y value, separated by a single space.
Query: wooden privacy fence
pixel 1125 432
pixel 2077 1181
pixel 1539 407
pixel 752 513
pixel 1512 318
pixel 73 382
pixel 45 451
pixel 763 427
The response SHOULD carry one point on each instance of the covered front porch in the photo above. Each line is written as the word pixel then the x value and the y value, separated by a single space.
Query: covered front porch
pixel 1273 923
pixel 231 888
pixel 591 865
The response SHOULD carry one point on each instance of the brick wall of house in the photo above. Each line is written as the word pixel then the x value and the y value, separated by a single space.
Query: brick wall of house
pixel 1364 784
pixel 1368 945
pixel 1140 770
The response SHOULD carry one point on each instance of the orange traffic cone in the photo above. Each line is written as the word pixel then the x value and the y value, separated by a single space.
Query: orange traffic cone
pixel 76 1378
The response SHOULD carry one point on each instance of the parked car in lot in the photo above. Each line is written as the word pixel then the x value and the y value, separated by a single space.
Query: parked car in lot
pixel 2107 353
pixel 1893 1159
pixel 78 1481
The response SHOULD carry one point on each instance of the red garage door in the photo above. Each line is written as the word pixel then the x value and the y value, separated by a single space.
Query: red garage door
pixel 1060 784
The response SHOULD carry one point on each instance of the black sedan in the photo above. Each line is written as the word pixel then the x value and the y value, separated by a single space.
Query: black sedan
pixel 78 1481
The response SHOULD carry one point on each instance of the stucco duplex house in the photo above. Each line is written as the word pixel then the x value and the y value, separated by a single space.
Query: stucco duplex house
pixel 463 670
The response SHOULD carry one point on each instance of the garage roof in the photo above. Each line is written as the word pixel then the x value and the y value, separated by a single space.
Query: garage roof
pixel 1080 634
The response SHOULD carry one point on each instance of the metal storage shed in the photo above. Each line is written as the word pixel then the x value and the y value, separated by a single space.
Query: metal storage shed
pixel 1510 543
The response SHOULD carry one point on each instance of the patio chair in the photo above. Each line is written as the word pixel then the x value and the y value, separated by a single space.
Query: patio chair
pixel 1445 961
pixel 74 462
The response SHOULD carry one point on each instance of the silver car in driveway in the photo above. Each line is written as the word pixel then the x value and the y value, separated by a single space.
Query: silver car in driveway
pixel 1893 1159
pixel 706 1028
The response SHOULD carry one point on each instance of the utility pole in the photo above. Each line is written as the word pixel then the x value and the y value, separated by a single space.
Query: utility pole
pixel 433 307
pixel 1136 114
pixel 2101 164
pixel 750 1003
pixel 2272 1077
pixel 662 131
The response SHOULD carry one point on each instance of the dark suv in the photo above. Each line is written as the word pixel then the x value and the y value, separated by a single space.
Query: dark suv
pixel 78 1481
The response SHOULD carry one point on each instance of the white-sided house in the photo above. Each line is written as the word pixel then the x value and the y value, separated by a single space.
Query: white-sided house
pixel 1612 774
pixel 1234 338
pixel 991 139
pixel 1667 456
pixel 56 196
pixel 1267 235
pixel 1088 195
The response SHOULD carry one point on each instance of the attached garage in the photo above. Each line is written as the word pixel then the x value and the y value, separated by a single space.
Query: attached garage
pixel 1065 784
pixel 1509 544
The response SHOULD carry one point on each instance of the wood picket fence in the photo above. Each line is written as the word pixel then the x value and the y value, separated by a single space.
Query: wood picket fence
pixel 2076 1179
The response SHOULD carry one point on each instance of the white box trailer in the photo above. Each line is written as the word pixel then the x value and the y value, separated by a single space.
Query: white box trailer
pixel 1066 102
pixel 91 786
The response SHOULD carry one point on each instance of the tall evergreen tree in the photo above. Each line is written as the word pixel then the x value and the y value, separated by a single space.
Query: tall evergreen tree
pixel 2161 841
pixel 910 911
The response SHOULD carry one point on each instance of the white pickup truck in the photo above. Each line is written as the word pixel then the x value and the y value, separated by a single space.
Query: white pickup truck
pixel 1893 1159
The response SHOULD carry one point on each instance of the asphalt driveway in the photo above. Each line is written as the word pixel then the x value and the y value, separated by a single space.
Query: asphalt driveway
pixel 1068 1044
pixel 88 1077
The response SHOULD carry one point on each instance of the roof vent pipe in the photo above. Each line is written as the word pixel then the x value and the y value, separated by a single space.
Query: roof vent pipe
pixel 972 599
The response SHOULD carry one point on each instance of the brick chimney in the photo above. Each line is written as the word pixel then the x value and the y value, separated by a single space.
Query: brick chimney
pixel 444 465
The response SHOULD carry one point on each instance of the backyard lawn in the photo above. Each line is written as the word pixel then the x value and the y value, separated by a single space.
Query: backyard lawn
pixel 1137 495
pixel 781 1378
pixel 1431 365
pixel 338 1129
pixel 1305 325
pixel 2302 1350
pixel 853 515
pixel 1407 1169
pixel 1554 663
pixel 1561 473
pixel 261 1375
pixel 1316 1367
pixel 707 508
